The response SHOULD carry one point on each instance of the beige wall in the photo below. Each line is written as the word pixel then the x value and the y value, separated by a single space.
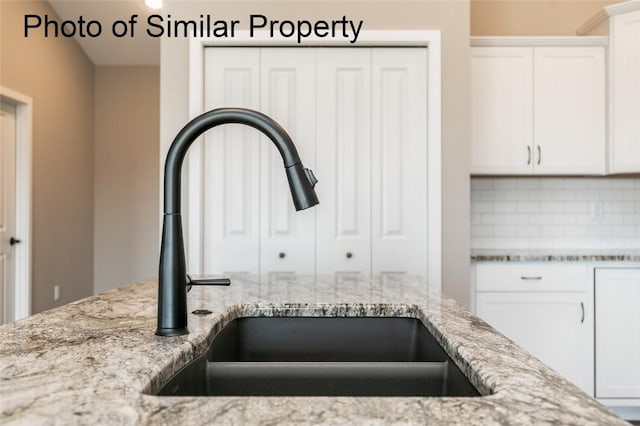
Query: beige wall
pixel 126 159
pixel 532 17
pixel 449 16
pixel 58 76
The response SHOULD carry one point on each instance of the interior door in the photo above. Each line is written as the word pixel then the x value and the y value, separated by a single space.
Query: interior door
pixel 7 210
pixel 229 227
pixel 358 118
pixel 343 129
pixel 287 79
pixel 399 158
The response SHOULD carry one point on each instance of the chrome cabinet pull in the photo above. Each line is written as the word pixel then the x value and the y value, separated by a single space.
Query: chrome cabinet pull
pixel 528 155
pixel 530 278
pixel 582 310
pixel 539 154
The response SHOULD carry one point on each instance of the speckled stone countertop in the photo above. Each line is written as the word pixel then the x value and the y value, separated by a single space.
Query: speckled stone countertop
pixel 567 255
pixel 97 361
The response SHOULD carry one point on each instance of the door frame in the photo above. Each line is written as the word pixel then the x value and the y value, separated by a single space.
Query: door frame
pixel 430 39
pixel 24 116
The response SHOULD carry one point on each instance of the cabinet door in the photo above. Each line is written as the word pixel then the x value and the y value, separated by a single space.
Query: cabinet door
pixel 617 310
pixel 625 93
pixel 399 158
pixel 287 86
pixel 228 229
pixel 501 110
pixel 343 148
pixel 569 110
pixel 556 328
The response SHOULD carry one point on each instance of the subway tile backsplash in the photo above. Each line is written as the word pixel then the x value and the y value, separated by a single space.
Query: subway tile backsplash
pixel 555 213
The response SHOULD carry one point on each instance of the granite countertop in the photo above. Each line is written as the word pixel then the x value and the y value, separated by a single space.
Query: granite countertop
pixel 565 255
pixel 97 361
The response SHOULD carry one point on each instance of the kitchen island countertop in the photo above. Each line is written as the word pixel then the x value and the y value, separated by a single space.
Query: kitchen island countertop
pixel 97 361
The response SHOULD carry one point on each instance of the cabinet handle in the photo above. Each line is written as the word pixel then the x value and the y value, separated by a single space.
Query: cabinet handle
pixel 281 255
pixel 528 155
pixel 539 154
pixel 530 278
pixel 349 255
pixel 582 310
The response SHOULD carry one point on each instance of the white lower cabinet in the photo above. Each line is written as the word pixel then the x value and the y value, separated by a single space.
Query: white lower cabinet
pixel 546 309
pixel 617 309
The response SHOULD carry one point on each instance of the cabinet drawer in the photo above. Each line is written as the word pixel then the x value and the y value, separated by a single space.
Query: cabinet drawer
pixel 531 277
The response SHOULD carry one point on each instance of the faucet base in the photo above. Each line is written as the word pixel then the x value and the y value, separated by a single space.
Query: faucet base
pixel 169 332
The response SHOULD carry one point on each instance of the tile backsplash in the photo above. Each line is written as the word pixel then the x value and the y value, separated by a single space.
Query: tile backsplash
pixel 555 213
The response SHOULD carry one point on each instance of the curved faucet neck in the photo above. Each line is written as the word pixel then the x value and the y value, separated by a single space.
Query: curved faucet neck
pixel 206 121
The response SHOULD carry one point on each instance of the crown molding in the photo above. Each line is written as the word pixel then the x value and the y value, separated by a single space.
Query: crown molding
pixel 539 41
pixel 606 13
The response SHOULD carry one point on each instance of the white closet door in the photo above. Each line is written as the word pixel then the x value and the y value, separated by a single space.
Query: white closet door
pixel 287 81
pixel 230 188
pixel 343 148
pixel 399 158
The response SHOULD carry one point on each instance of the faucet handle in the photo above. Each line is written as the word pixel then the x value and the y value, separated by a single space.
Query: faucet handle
pixel 311 177
pixel 208 281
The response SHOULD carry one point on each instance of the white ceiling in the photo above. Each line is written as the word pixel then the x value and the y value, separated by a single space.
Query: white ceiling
pixel 107 49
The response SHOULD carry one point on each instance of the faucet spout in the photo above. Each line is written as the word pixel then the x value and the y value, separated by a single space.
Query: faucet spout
pixel 173 280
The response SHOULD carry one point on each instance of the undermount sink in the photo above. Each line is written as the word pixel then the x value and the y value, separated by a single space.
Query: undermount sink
pixel 322 356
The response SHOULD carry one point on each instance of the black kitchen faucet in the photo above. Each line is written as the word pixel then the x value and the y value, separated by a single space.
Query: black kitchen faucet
pixel 173 279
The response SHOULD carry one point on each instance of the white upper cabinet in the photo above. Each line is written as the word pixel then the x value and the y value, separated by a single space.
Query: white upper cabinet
pixel 625 92
pixel 570 110
pixel 538 110
pixel 501 110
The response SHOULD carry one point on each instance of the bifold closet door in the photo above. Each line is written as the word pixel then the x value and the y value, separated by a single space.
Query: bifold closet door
pixel 343 148
pixel 287 86
pixel 358 118
pixel 399 161
pixel 230 218
pixel 248 220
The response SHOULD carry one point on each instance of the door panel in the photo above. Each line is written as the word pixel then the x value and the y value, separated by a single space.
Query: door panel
pixel 399 158
pixel 501 110
pixel 617 333
pixel 230 176
pixel 343 134
pixel 569 110
pixel 553 327
pixel 287 80
pixel 625 92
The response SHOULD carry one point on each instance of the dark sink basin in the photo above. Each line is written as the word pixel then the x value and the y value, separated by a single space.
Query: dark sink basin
pixel 310 356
